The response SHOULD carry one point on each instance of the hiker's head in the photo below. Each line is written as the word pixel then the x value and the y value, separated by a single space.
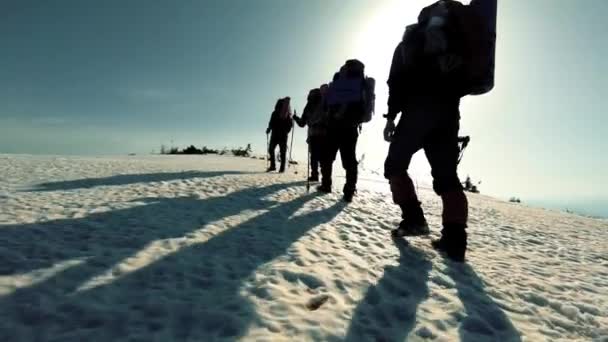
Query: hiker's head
pixel 314 96
pixel 312 93
pixel 354 68
pixel 279 105
pixel 287 104
pixel 409 31
pixel 434 12
pixel 323 89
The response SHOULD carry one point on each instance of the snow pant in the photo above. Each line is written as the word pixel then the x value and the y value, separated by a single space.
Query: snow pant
pixel 433 127
pixel 315 143
pixel 343 139
pixel 281 140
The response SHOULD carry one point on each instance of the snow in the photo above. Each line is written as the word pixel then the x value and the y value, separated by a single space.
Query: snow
pixel 161 248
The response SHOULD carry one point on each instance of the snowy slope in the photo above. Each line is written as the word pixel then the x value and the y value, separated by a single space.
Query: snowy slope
pixel 161 248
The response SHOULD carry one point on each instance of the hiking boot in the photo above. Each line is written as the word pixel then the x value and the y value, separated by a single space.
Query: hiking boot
pixel 270 169
pixel 407 228
pixel 348 195
pixel 324 188
pixel 453 242
pixel 282 170
pixel 414 223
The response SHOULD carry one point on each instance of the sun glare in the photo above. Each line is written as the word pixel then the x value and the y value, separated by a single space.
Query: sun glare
pixel 374 46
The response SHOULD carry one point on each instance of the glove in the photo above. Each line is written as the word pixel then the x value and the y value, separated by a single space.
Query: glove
pixel 389 130
pixel 268 130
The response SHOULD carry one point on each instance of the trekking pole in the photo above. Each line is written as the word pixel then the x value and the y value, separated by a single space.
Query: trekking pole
pixel 308 171
pixel 291 147
pixel 267 154
pixel 463 142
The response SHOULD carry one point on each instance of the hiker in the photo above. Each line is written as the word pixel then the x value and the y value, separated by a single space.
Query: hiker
pixel 348 98
pixel 280 125
pixel 315 117
pixel 430 72
pixel 468 184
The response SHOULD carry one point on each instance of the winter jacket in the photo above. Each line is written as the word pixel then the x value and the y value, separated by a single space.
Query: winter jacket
pixel 415 78
pixel 315 117
pixel 280 124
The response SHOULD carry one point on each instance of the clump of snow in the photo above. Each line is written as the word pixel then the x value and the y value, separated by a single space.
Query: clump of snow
pixel 209 248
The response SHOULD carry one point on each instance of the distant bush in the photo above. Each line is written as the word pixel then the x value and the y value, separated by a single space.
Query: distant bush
pixel 190 150
pixel 209 151
pixel 242 152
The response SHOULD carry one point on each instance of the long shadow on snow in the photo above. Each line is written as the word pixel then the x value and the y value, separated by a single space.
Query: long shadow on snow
pixel 388 311
pixel 126 179
pixel 192 294
pixel 485 320
pixel 106 238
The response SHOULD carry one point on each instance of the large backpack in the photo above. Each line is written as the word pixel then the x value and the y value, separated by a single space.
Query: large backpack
pixel 369 99
pixel 314 108
pixel 466 38
pixel 487 10
pixel 281 118
pixel 351 87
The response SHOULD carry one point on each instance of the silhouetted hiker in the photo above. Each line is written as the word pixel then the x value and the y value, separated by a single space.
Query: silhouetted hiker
pixel 280 125
pixel 468 184
pixel 315 117
pixel 436 64
pixel 349 100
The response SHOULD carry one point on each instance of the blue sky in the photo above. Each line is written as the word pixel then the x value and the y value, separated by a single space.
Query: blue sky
pixel 114 77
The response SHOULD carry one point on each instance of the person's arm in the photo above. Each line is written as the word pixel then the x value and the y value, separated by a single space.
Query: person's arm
pixel 301 121
pixel 291 120
pixel 395 83
pixel 271 123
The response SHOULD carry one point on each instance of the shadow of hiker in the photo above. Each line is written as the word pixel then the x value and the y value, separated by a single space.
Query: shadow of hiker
pixel 104 238
pixel 193 294
pixel 388 311
pixel 485 320
pixel 126 179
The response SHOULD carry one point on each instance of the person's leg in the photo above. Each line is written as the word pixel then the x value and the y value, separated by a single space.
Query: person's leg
pixel 348 154
pixel 413 128
pixel 271 148
pixel 328 155
pixel 315 157
pixel 442 153
pixel 283 148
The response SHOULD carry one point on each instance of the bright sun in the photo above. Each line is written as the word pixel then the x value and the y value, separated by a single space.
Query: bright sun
pixel 374 45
